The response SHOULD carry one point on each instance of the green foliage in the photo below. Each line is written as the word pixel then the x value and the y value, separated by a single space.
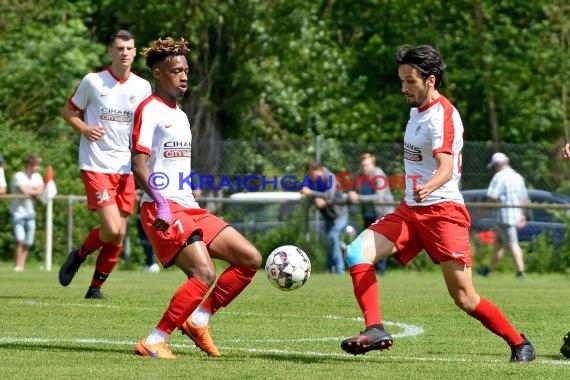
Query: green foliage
pixel 296 68
pixel 540 255
pixel 563 256
pixel 289 70
pixel 293 232
pixel 37 44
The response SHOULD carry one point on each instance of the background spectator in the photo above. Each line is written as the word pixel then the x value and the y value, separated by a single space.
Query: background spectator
pixel 376 190
pixel 328 199
pixel 28 182
pixel 507 187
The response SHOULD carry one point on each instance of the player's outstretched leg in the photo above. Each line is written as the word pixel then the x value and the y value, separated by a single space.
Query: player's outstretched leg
pixel 200 335
pixel 373 338
pixel 524 352
pixel 70 267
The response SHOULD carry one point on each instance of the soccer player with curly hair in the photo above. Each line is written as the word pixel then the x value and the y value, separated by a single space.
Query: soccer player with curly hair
pixel 182 233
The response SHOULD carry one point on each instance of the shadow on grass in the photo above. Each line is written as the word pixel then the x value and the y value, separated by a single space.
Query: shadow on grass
pixel 304 358
pixel 61 347
pixel 26 297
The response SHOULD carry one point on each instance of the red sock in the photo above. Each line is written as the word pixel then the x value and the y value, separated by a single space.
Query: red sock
pixel 229 286
pixel 183 303
pixel 106 261
pixel 91 243
pixel 366 292
pixel 491 317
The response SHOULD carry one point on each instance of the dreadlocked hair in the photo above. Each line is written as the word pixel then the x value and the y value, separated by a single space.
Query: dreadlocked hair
pixel 164 49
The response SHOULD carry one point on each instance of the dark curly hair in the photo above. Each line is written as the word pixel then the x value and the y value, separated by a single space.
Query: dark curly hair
pixel 163 49
pixel 425 59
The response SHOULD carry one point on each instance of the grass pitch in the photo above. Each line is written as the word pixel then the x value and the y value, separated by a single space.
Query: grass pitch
pixel 50 332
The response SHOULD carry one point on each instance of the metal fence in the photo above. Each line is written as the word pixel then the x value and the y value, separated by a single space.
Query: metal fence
pixel 539 164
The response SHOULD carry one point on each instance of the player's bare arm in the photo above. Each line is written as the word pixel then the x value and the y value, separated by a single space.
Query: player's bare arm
pixel 141 171
pixel 441 176
pixel 73 118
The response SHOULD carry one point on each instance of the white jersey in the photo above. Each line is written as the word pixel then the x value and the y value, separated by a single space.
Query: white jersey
pixel 110 103
pixel 162 131
pixel 432 129
pixel 24 207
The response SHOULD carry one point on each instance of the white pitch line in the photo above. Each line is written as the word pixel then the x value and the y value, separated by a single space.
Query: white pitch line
pixel 408 330
pixel 308 354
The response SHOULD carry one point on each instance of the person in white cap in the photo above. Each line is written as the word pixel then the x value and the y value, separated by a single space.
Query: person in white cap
pixel 507 187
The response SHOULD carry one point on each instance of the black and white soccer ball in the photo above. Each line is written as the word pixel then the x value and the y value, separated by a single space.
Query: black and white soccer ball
pixel 288 267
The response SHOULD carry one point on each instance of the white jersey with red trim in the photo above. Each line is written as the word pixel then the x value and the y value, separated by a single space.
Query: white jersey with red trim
pixel 162 131
pixel 432 129
pixel 110 103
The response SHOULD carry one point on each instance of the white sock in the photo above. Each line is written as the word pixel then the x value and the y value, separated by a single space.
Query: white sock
pixel 200 317
pixel 156 336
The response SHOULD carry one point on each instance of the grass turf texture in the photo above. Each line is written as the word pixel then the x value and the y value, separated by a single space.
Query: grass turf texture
pixel 53 332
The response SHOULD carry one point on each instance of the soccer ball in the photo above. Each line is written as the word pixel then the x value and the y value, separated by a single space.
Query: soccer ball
pixel 288 267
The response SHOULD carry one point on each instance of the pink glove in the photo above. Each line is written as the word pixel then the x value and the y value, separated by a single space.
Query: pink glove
pixel 163 209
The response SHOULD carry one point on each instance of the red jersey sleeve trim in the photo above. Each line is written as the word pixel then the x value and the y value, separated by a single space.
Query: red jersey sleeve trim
pixel 442 150
pixel 136 147
pixel 448 128
pixel 73 105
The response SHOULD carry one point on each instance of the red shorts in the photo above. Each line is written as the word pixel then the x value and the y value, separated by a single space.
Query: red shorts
pixel 104 189
pixel 441 229
pixel 185 221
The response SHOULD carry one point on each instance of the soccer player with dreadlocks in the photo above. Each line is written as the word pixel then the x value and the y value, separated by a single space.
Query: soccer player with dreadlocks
pixel 182 233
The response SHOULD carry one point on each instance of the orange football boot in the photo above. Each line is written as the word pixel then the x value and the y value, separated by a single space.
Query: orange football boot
pixel 159 350
pixel 201 337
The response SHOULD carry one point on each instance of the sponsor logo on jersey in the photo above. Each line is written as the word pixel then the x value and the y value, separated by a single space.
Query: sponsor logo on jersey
pixel 116 115
pixel 412 153
pixel 177 149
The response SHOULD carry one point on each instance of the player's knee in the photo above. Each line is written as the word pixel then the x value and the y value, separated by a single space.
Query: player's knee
pixel 207 275
pixel 247 257
pixel 204 271
pixel 114 234
pixel 253 259
pixel 354 252
pixel 464 301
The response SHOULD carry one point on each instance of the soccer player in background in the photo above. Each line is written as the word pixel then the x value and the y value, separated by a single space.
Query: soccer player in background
pixel 431 217
pixel 182 233
pixel 101 109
